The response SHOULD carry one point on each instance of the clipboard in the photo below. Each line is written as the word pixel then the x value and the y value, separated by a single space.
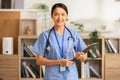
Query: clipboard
pixel 90 46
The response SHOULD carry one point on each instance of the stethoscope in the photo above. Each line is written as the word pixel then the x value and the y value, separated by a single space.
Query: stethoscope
pixel 70 37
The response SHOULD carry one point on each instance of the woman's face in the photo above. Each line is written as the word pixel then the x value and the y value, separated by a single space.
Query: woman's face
pixel 59 16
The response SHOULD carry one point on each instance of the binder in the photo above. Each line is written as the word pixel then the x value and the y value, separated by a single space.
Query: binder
pixel 90 46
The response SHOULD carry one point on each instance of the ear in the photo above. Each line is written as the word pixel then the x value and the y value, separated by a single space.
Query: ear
pixel 51 16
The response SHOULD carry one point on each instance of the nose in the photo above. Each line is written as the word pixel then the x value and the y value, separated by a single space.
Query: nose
pixel 60 17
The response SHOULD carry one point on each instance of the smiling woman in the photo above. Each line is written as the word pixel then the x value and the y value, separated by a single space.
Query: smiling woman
pixel 64 44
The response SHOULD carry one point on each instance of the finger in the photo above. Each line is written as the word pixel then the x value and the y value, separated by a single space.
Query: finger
pixel 82 53
pixel 69 63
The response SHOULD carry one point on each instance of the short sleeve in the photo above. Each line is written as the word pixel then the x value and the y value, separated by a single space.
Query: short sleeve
pixel 79 43
pixel 39 46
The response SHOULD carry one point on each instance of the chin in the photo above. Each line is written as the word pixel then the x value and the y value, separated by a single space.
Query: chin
pixel 60 24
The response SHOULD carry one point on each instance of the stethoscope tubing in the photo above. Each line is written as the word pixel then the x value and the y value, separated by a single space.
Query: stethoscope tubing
pixel 71 36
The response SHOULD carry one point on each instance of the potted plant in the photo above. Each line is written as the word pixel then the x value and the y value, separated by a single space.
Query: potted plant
pixel 94 38
pixel 43 7
pixel 80 26
pixel 94 35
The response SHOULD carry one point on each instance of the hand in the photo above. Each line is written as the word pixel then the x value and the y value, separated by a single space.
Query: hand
pixel 80 56
pixel 65 62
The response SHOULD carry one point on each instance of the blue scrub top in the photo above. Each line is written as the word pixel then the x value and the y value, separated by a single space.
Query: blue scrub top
pixel 53 52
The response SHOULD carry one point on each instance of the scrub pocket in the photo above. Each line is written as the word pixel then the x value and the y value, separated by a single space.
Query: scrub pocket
pixel 70 53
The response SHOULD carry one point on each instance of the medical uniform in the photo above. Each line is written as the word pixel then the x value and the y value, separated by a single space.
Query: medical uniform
pixel 53 52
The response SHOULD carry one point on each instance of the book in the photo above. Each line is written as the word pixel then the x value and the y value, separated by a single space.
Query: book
pixel 112 46
pixel 94 71
pixel 30 71
pixel 108 46
pixel 90 46
pixel 85 70
pixel 35 70
pixel 23 74
pixel 93 54
pixel 28 51
pixel 30 48
pixel 98 52
pixel 43 70
pixel 26 73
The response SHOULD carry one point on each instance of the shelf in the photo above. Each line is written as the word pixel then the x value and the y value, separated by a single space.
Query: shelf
pixel 97 63
pixel 100 31
pixel 27 61
pixel 9 67
pixel 112 65
pixel 28 27
pixel 8 22
pixel 112 45
pixel 28 58
pixel 21 10
pixel 93 68
pixel 32 79
pixel 112 57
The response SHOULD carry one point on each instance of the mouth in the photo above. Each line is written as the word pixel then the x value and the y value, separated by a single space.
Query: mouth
pixel 59 21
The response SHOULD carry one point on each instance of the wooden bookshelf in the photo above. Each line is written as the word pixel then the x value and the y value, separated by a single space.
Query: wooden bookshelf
pixel 112 65
pixel 24 57
pixel 9 27
pixel 96 63
pixel 9 67
pixel 24 23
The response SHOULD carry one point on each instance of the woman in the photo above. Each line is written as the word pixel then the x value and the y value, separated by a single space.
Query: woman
pixel 57 47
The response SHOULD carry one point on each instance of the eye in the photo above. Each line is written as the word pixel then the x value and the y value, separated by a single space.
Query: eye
pixel 55 14
pixel 63 14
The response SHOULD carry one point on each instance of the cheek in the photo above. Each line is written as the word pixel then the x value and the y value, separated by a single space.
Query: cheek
pixel 66 18
pixel 54 18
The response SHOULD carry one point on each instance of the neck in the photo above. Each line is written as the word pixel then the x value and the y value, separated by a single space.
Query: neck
pixel 59 30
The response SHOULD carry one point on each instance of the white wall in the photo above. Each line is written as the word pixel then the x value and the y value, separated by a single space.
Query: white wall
pixel 93 13
pixel 111 15
pixel 77 8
